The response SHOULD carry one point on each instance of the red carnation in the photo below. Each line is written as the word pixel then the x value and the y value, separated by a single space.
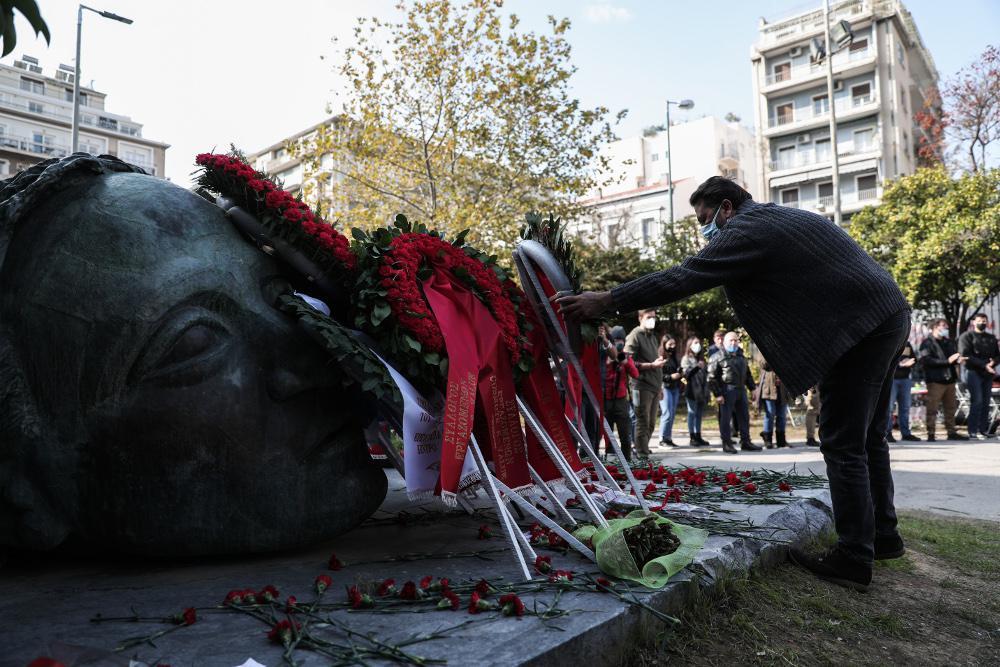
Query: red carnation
pixel 276 199
pixel 322 583
pixel 561 577
pixel 268 594
pixel 604 585
pixel 483 588
pixel 249 597
pixel 746 473
pixel 335 563
pixel 358 599
pixel 543 564
pixel 477 604
pixel 203 158
pixel 186 617
pixel 784 486
pixel 290 603
pixel 449 601
pixel 749 487
pixel 233 597
pixel 511 605
pixel 256 185
pixel 292 214
pixel 485 532
pixel 409 591
pixel 283 632
pixel 45 662
pixel 387 587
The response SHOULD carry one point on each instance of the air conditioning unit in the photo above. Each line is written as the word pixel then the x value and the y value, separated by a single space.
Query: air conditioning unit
pixel 64 76
pixel 803 138
pixel 35 68
pixel 838 85
pixel 795 52
pixel 20 64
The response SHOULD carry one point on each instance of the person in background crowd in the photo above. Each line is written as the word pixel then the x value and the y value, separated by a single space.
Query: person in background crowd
pixel 619 366
pixel 729 378
pixel 716 342
pixel 775 400
pixel 812 415
pixel 940 361
pixel 980 350
pixel 643 345
pixel 901 385
pixel 671 389
pixel 693 368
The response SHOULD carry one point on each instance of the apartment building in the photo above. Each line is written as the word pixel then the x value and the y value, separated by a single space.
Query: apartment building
pixel 880 81
pixel 278 161
pixel 36 119
pixel 632 207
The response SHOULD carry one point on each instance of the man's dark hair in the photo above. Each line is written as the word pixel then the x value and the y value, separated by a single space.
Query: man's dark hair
pixel 978 315
pixel 715 189
pixel 936 322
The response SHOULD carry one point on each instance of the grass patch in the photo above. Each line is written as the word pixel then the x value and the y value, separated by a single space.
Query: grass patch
pixel 970 544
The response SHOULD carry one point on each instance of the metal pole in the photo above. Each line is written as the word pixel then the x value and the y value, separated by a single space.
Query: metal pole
pixel 74 144
pixel 833 115
pixel 670 170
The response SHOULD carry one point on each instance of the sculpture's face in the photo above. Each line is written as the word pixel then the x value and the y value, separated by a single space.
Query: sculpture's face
pixel 194 416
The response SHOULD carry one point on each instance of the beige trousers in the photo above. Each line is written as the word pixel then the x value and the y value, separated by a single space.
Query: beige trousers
pixel 941 393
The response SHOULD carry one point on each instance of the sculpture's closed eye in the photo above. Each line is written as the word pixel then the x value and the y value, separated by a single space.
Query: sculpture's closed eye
pixel 189 344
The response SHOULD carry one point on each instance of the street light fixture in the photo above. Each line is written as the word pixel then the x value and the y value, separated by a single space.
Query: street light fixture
pixel 76 76
pixel 683 104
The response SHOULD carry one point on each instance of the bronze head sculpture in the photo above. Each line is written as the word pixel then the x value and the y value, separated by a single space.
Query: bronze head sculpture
pixel 152 399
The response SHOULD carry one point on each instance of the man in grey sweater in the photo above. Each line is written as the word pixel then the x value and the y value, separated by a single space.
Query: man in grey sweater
pixel 821 311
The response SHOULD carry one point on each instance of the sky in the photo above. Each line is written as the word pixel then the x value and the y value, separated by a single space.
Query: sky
pixel 201 75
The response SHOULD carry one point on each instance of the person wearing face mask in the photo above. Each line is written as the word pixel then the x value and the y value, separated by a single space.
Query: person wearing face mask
pixel 693 368
pixel 643 345
pixel 940 361
pixel 979 347
pixel 729 378
pixel 619 366
pixel 822 311
pixel 671 389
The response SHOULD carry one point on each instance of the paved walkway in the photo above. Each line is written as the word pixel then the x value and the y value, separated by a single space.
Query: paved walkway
pixel 947 477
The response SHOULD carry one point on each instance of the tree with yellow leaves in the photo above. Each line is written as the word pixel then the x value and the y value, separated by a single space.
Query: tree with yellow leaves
pixel 457 118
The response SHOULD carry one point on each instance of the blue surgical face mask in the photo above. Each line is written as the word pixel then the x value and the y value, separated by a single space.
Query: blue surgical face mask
pixel 711 229
pixel 731 348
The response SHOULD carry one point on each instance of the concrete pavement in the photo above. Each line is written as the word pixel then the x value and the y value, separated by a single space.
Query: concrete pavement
pixel 955 478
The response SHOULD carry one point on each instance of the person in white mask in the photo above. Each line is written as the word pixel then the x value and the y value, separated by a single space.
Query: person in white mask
pixel 643 345
pixel 695 389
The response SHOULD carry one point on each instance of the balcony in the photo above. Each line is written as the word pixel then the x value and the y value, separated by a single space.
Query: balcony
pixel 46 107
pixel 28 145
pixel 812 157
pixel 849 201
pixel 843 61
pixel 806 24
pixel 806 117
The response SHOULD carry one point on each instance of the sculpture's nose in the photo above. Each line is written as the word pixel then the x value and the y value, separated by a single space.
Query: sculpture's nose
pixel 299 365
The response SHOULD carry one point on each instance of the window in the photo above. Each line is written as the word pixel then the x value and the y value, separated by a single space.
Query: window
pixel 69 97
pixel 821 105
pixel 36 107
pixel 4 168
pixel 783 71
pixel 786 157
pixel 136 156
pixel 861 94
pixel 825 192
pixel 859 47
pixel 32 86
pixel 37 142
pixel 863 140
pixel 784 113
pixel 902 98
pixel 790 197
pixel 899 54
pixel 867 187
pixel 107 123
pixel 654 157
pixel 822 150
pixel 906 145
pixel 280 153
pixel 647 230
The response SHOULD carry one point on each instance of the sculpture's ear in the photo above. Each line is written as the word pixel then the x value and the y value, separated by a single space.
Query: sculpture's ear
pixel 29 514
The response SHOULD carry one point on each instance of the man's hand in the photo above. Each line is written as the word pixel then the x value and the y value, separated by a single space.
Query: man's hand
pixel 721 400
pixel 906 363
pixel 584 306
pixel 659 363
pixel 991 369
pixel 675 376
pixel 954 358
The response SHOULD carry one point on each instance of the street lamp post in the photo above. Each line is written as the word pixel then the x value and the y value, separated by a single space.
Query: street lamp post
pixel 683 104
pixel 76 75
pixel 837 217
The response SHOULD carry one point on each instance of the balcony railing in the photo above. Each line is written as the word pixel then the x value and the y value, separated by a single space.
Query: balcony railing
pixel 868 194
pixel 29 145
pixel 808 158
pixel 783 30
pixel 825 204
pixel 50 109
pixel 809 70
pixel 803 114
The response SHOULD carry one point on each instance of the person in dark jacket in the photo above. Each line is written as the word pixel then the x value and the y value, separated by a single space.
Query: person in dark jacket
pixel 979 347
pixel 671 389
pixel 695 372
pixel 940 360
pixel 729 378
pixel 775 400
pixel 821 311
pixel 900 396
pixel 617 369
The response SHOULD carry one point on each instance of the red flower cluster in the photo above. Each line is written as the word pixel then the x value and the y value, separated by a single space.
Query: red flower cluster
pixel 784 486
pixel 358 599
pixel 398 273
pixel 282 205
pixel 483 588
pixel 283 632
pixel 511 605
pixel 322 583
pixel 268 594
pixel 692 477
pixel 240 597
pixel 732 479
pixel 749 487
pixel 449 600
pixel 544 537
pixel 387 587
pixel 335 563
pixel 409 591
pixel 543 564
pixel 561 577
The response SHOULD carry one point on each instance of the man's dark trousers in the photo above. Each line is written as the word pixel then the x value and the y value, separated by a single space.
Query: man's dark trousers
pixel 734 409
pixel 852 419
pixel 979 387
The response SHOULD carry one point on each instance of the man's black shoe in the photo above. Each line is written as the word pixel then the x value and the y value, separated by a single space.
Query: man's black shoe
pixel 909 437
pixel 889 438
pixel 835 567
pixel 669 442
pixel 728 448
pixel 750 447
pixel 931 438
pixel 888 547
pixel 812 442
pixel 957 436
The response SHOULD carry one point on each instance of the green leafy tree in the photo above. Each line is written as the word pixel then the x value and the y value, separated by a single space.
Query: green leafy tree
pixel 939 236
pixel 29 9
pixel 458 118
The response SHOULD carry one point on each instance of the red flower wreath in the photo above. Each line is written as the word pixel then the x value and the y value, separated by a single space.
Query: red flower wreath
pixel 282 213
pixel 399 270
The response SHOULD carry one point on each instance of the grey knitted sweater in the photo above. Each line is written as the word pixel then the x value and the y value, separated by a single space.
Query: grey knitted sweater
pixel 801 287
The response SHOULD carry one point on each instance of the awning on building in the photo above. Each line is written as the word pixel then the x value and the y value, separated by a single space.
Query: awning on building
pixel 821 174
